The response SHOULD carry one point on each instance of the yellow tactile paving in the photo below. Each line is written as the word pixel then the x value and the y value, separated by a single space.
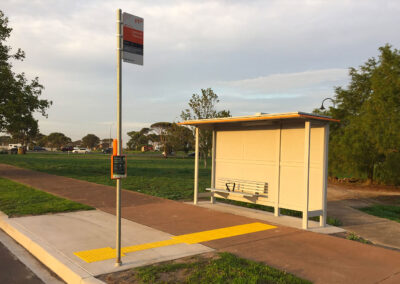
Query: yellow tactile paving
pixel 194 238
pixel 150 245
pixel 97 254
pixel 227 232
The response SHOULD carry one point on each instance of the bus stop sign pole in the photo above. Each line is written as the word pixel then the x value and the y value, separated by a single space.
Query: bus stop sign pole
pixel 129 49
pixel 119 130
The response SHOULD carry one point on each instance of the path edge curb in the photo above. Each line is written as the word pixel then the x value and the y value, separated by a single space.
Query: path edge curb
pixel 70 274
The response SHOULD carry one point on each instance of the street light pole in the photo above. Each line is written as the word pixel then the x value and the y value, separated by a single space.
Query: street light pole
pixel 322 105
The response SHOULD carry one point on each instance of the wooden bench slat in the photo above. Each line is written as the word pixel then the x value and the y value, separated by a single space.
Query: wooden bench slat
pixel 246 188
pixel 231 192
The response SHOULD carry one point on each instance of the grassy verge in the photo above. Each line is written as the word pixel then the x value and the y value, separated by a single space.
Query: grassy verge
pixel 353 237
pixel 391 212
pixel 169 178
pixel 221 268
pixel 18 200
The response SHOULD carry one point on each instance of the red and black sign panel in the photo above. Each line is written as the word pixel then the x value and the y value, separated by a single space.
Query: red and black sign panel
pixel 132 39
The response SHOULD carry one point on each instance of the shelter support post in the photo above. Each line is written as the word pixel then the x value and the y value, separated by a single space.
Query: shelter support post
pixel 214 140
pixel 196 167
pixel 278 169
pixel 307 131
pixel 322 218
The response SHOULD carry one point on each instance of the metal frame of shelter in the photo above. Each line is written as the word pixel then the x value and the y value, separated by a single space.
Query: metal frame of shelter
pixel 287 151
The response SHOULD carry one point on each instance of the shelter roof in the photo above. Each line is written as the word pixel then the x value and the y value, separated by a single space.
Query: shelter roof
pixel 260 117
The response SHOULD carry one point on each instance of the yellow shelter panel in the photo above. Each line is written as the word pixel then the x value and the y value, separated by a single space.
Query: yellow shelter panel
pixel 248 155
pixel 292 143
pixel 315 189
pixel 316 167
pixel 260 145
pixel 317 146
pixel 230 145
pixel 291 192
pixel 252 154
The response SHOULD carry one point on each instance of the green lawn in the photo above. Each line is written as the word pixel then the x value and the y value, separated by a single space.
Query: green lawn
pixel 169 178
pixel 391 212
pixel 225 268
pixel 18 200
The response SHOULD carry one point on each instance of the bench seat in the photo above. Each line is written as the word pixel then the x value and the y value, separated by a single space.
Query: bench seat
pixel 246 194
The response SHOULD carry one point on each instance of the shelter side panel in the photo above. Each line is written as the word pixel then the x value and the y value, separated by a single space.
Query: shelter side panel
pixel 316 167
pixel 248 155
pixel 291 192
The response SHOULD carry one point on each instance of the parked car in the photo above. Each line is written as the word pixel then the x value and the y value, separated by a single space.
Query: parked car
pixel 108 151
pixel 38 148
pixel 12 146
pixel 80 150
pixel 67 148
pixel 14 150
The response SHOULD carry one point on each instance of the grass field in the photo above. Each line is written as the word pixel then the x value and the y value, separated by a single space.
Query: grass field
pixel 19 200
pixel 222 268
pixel 169 178
pixel 391 212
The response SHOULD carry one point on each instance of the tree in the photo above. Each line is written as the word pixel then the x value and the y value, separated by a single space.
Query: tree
pixel 138 139
pixel 19 99
pixel 57 140
pixel 5 140
pixel 90 141
pixel 180 138
pixel 161 129
pixel 202 107
pixel 39 140
pixel 367 141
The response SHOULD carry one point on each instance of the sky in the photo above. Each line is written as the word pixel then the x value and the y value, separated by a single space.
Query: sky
pixel 257 56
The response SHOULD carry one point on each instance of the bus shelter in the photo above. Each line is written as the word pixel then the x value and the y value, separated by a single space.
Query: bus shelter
pixel 278 160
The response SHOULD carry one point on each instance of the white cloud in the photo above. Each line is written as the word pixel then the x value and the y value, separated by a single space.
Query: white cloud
pixel 287 85
pixel 276 55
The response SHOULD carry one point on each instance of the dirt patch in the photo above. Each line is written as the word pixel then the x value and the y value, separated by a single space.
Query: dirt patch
pixel 364 186
pixel 338 191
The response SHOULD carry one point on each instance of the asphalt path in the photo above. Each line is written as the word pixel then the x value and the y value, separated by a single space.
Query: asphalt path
pixel 14 271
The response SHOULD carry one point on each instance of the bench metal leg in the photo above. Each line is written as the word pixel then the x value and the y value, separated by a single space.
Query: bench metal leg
pixel 212 200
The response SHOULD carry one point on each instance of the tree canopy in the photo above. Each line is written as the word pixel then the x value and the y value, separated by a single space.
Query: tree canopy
pixel 201 107
pixel 57 140
pixel 90 141
pixel 19 98
pixel 161 130
pixel 138 138
pixel 367 141
pixel 180 138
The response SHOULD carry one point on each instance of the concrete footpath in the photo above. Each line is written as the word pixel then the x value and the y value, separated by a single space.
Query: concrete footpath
pixel 316 257
pixel 380 231
pixel 56 239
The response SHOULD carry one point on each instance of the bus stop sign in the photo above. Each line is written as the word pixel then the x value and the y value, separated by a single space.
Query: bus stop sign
pixel 118 167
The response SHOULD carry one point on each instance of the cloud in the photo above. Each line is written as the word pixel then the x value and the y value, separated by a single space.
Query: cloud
pixel 286 85
pixel 269 56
